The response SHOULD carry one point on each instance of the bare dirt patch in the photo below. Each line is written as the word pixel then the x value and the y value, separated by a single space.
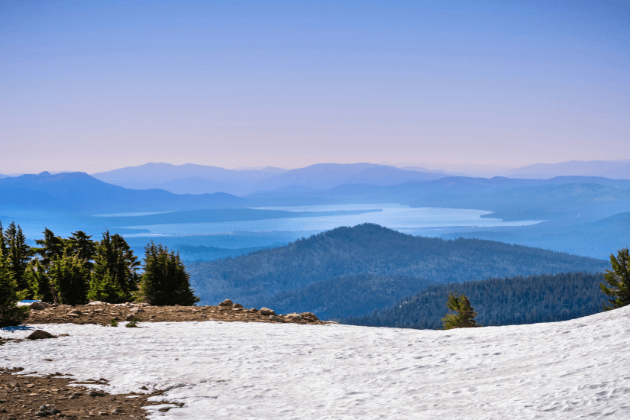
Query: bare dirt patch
pixel 104 313
pixel 26 395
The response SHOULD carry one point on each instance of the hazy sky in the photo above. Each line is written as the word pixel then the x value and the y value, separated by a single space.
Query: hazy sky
pixel 98 85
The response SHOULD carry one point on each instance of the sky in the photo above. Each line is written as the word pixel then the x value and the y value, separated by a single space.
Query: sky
pixel 94 86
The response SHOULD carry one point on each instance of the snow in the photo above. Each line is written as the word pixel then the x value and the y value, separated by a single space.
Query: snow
pixel 563 370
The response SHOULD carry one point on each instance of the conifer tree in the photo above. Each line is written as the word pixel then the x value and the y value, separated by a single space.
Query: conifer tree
pixel 115 271
pixel 82 245
pixel 18 257
pixel 39 281
pixel 464 316
pixel 10 314
pixel 618 279
pixel 165 280
pixel 69 279
pixel 51 247
pixel 3 244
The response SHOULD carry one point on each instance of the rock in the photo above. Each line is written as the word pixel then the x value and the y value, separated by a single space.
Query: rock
pixel 226 302
pixel 39 306
pixel 253 310
pixel 309 316
pixel 267 311
pixel 47 410
pixel 294 316
pixel 96 393
pixel 40 335
pixel 96 302
pixel 276 318
pixel 237 306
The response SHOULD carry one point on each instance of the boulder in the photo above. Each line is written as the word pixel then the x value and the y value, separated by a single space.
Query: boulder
pixel 237 306
pixel 38 306
pixel 40 335
pixel 309 316
pixel 226 302
pixel 267 311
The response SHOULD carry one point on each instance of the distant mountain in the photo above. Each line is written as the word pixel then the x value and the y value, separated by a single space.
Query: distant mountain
pixel 610 169
pixel 328 175
pixel 508 301
pixel 618 173
pixel 262 276
pixel 78 192
pixel 188 178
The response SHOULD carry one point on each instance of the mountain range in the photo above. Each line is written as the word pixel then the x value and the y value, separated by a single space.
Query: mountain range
pixel 198 179
pixel 79 193
pixel 619 169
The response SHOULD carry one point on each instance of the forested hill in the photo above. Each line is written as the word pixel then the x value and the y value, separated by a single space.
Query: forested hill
pixel 372 249
pixel 510 301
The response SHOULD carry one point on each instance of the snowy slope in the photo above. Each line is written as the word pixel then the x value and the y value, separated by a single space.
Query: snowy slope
pixel 564 370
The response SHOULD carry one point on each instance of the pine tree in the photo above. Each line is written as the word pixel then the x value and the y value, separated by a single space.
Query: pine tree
pixel 18 257
pixel 618 279
pixel 51 247
pixel 10 314
pixel 82 245
pixel 464 316
pixel 3 243
pixel 165 280
pixel 37 277
pixel 115 271
pixel 69 279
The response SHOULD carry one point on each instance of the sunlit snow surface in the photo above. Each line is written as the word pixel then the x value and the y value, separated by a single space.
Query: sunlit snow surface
pixel 564 370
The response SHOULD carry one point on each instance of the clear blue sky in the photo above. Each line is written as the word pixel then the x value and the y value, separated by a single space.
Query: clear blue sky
pixel 98 85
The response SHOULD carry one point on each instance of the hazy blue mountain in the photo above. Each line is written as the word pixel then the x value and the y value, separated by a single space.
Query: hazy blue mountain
pixel 423 169
pixel 596 239
pixel 191 185
pixel 188 178
pixel 508 301
pixel 371 249
pixel 618 173
pixel 610 169
pixel 80 193
pixel 328 175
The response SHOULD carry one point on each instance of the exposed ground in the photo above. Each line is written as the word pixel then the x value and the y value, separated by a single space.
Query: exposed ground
pixel 26 396
pixel 103 314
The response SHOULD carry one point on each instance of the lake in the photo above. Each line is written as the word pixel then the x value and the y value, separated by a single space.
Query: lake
pixel 393 216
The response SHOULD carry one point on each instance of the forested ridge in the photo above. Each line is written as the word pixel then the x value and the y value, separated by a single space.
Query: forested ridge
pixel 372 250
pixel 507 301
pixel 347 296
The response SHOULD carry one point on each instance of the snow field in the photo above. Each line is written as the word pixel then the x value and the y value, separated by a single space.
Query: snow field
pixel 564 370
